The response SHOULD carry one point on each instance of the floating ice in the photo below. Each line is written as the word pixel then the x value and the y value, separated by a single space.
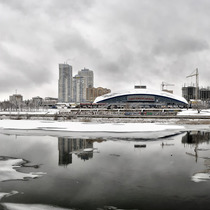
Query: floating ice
pixel 3 194
pixel 201 177
pixel 16 206
pixel 88 150
pixel 8 172
pixel 85 127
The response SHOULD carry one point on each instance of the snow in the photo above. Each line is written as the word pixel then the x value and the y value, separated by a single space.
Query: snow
pixel 200 177
pixel 8 172
pixel 38 112
pixel 194 112
pixel 3 194
pixel 85 126
pixel 16 206
pixel 88 150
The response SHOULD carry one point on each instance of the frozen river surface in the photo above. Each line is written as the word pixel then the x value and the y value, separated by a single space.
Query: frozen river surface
pixel 42 172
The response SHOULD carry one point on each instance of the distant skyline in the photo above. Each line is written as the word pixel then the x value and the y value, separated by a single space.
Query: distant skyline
pixel 123 42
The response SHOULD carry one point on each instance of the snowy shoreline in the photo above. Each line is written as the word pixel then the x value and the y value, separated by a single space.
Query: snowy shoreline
pixel 98 129
pixel 111 115
pixel 85 126
pixel 89 129
pixel 96 126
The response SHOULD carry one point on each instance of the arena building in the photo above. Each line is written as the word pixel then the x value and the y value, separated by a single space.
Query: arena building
pixel 143 98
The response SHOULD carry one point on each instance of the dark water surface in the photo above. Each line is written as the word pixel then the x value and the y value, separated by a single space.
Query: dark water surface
pixel 115 173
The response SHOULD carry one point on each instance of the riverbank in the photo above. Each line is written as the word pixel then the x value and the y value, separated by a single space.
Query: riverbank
pixel 175 116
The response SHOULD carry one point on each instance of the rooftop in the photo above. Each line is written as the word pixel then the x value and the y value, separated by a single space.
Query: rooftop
pixel 141 91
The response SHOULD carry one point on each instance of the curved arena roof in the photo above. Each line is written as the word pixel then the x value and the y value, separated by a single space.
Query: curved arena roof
pixel 141 92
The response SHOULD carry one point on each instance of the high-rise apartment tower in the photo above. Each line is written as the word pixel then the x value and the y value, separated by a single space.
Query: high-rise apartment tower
pixel 79 92
pixel 65 83
pixel 88 77
pixel 88 80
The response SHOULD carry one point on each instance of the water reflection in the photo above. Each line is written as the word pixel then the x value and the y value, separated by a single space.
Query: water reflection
pixel 121 176
pixel 196 137
pixel 83 148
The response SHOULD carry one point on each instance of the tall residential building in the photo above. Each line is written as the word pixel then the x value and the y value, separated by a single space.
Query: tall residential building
pixel 65 83
pixel 79 90
pixel 88 79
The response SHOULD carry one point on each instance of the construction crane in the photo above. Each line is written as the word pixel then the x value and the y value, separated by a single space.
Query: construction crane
pixel 195 73
pixel 164 84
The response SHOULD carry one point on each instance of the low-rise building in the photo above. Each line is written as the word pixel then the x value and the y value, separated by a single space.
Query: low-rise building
pixel 37 101
pixel 16 99
pixel 92 93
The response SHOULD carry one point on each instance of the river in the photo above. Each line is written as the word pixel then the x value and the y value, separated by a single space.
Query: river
pixel 105 173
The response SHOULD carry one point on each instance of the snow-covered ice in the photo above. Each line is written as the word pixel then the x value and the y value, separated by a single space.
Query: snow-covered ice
pixel 3 194
pixel 17 206
pixel 8 172
pixel 200 177
pixel 84 126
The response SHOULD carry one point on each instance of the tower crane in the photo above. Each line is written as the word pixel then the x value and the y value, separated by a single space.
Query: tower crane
pixel 164 84
pixel 195 73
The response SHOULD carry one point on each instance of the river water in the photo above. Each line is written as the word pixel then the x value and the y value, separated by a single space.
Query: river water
pixel 49 172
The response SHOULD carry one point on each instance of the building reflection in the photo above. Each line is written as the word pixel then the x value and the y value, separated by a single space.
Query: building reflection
pixel 83 148
pixel 196 137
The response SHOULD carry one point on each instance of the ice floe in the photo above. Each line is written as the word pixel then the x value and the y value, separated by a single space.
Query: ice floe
pixel 8 170
pixel 85 126
pixel 17 206
pixel 3 194
pixel 201 177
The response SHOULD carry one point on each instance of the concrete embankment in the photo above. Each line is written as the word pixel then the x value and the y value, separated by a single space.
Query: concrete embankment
pixel 110 115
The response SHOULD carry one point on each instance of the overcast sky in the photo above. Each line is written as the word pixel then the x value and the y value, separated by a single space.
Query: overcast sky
pixel 125 42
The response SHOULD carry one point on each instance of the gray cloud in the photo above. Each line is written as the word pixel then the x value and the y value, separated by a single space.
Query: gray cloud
pixel 124 42
pixel 180 46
